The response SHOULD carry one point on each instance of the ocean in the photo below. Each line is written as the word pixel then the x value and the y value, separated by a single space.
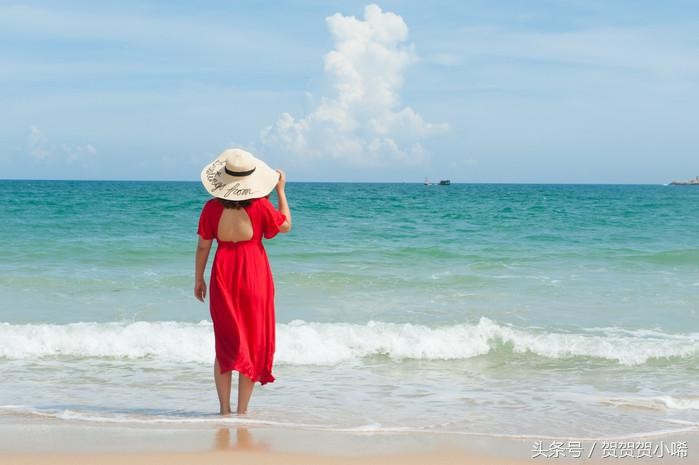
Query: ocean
pixel 477 309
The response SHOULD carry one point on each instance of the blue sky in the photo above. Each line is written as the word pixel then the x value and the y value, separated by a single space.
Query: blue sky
pixel 476 91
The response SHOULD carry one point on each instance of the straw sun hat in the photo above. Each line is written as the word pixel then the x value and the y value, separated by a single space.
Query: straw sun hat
pixel 238 175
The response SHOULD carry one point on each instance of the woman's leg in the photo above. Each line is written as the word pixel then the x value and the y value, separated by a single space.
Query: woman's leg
pixel 245 386
pixel 223 388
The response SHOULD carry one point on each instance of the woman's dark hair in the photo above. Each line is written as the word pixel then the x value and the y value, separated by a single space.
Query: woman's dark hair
pixel 236 204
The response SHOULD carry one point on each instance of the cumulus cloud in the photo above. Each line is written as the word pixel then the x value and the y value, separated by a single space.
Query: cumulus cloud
pixel 363 120
pixel 39 148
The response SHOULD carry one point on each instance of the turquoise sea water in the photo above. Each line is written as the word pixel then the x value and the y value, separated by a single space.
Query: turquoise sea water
pixel 556 310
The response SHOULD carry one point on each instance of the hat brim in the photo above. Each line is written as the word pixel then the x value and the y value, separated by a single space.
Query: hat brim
pixel 225 186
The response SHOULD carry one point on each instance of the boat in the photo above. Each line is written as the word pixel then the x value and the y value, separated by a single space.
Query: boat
pixel 427 182
pixel 445 182
pixel 691 182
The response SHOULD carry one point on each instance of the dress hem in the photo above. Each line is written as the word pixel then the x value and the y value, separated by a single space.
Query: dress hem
pixel 237 367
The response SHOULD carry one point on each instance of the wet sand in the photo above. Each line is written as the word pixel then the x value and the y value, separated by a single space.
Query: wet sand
pixel 59 442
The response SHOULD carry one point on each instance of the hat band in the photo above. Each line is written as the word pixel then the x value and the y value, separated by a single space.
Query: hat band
pixel 239 174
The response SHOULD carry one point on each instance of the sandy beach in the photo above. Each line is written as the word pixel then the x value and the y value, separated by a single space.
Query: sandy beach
pixel 89 445
pixel 34 441
pixel 244 457
pixel 212 458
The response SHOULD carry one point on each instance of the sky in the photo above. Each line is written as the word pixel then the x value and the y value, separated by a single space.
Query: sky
pixel 568 91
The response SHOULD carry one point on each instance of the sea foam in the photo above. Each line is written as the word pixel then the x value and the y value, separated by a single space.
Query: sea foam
pixel 311 343
pixel 665 402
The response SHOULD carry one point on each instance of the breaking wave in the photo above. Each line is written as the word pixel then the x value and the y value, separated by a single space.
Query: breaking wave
pixel 310 343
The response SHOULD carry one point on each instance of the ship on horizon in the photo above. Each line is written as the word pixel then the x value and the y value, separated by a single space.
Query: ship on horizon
pixel 691 182
pixel 443 182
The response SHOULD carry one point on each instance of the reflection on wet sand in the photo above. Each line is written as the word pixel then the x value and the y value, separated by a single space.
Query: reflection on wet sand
pixel 243 440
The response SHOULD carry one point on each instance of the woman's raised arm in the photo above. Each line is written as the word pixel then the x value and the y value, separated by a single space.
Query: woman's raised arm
pixel 283 204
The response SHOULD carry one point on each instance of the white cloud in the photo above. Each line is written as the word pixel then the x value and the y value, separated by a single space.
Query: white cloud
pixel 39 148
pixel 362 121
pixel 36 144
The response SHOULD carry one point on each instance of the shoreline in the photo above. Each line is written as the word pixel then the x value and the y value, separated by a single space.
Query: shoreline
pixel 49 441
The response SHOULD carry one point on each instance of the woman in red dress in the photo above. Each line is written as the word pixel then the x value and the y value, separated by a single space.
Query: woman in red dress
pixel 241 291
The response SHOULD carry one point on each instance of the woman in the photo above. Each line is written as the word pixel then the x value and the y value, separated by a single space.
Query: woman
pixel 241 286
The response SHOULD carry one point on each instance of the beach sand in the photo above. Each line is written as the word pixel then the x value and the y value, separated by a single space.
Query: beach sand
pixel 59 442
pixel 244 457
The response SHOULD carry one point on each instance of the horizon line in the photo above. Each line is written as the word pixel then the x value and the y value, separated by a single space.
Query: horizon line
pixel 358 182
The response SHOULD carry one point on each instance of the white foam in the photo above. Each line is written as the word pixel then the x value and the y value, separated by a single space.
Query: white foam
pixel 133 418
pixel 301 343
pixel 370 428
pixel 178 341
pixel 658 402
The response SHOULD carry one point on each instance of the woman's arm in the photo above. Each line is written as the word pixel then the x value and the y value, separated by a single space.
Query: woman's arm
pixel 283 204
pixel 202 255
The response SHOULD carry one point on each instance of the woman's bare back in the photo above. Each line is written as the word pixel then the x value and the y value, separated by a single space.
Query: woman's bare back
pixel 234 225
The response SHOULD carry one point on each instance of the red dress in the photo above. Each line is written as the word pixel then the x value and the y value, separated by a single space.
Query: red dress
pixel 241 292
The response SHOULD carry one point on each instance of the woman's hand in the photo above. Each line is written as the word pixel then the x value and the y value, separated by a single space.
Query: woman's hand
pixel 200 289
pixel 282 180
pixel 201 256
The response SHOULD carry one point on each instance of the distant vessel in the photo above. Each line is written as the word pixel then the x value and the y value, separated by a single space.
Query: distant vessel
pixel 444 182
pixel 427 182
pixel 691 182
